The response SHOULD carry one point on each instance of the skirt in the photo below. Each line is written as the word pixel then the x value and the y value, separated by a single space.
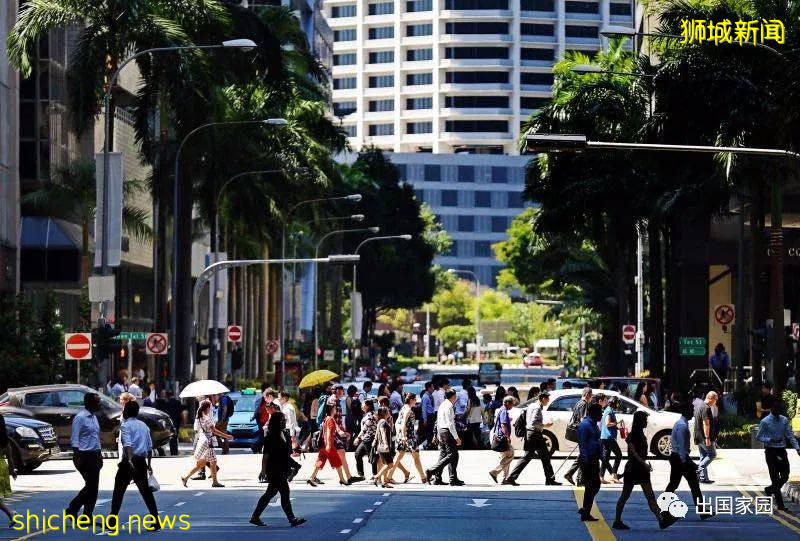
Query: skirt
pixel 387 458
pixel 635 473
pixel 203 450
pixel 329 455
pixel 409 445
pixel 5 479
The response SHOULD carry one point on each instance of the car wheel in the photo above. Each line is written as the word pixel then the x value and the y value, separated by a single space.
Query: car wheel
pixel 551 441
pixel 661 445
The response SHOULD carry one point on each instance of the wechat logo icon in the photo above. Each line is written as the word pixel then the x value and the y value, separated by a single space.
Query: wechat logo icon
pixel 670 503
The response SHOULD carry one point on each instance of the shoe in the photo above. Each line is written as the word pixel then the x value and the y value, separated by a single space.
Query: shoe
pixel 493 476
pixel 292 474
pixel 256 521
pixel 317 481
pixel 553 483
pixel 311 482
pixel 353 479
pixel 588 518
pixel 408 478
pixel 217 485
pixel 428 476
pixel 357 479
pixel 768 490
pixel 510 482
pixel 386 485
pixel 568 479
pixel 156 527
pixel 438 481
pixel 262 479
pixel 707 481
pixel 457 483
pixel 666 520
pixel 297 522
pixel 619 525
pixel 183 480
pixel 199 477
pixel 344 483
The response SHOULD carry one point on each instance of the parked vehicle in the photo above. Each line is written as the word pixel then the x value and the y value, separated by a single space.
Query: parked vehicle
pixel 623 383
pixel 32 441
pixel 409 375
pixel 532 359
pixel 575 383
pixel 58 405
pixel 241 425
pixel 489 373
pixel 559 411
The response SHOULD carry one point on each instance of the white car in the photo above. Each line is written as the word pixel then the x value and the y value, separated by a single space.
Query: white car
pixel 409 375
pixel 559 412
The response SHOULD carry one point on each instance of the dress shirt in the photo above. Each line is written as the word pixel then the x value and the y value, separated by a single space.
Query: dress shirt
pixel 589 439
pixel 427 406
pixel 135 390
pixel 462 402
pixel 446 418
pixel 85 431
pixel 535 417
pixel 680 438
pixel 608 432
pixel 117 390
pixel 291 419
pixel 136 435
pixel 775 431
pixel 395 402
pixel 438 398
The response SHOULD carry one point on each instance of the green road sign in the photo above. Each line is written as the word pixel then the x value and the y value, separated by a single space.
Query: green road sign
pixel 690 341
pixel 688 351
pixel 135 335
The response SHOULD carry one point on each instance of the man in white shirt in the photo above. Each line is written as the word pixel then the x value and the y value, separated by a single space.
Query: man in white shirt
pixel 438 394
pixel 448 443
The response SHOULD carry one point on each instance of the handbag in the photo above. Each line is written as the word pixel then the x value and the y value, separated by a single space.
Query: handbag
pixel 500 445
pixel 623 430
pixel 152 483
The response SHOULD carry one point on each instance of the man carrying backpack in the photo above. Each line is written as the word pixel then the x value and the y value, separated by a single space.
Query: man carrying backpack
pixel 578 413
pixel 535 443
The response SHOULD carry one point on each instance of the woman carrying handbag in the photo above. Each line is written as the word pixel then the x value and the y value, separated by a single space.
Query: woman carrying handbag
pixel 501 442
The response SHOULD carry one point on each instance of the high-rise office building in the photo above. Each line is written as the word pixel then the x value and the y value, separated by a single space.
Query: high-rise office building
pixel 445 85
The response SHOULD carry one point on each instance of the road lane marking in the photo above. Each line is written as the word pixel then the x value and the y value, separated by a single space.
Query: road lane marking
pixel 385 494
pixel 102 502
pixel 377 503
pixel 368 510
pixel 346 531
pixel 600 531
pixel 199 493
pixel 357 520
pixel 775 517
pixel 180 504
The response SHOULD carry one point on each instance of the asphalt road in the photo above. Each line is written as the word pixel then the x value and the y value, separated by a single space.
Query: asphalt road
pixel 480 510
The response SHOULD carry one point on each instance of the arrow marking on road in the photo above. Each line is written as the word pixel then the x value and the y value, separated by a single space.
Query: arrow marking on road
pixel 276 504
pixel 479 502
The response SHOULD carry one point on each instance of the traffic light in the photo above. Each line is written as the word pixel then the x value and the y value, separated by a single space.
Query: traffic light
pixel 200 352
pixel 102 340
pixel 237 359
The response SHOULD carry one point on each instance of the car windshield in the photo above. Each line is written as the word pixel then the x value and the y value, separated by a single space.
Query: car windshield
pixel 108 403
pixel 246 402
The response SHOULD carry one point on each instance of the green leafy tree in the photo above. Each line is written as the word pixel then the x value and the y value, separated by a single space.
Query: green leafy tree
pixel 528 324
pixel 48 338
pixel 495 305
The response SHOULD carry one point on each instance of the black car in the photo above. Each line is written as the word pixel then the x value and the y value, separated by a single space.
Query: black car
pixel 58 405
pixel 32 441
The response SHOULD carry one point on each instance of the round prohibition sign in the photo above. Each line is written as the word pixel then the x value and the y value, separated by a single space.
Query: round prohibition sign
pixel 156 344
pixel 724 314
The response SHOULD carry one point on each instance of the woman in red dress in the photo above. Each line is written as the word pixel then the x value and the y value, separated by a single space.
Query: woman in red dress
pixel 327 451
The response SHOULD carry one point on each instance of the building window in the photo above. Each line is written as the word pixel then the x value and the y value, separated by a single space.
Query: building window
pixel 476 77
pixel 351 130
pixel 380 106
pixel 383 8
pixel 381 32
pixel 571 6
pixel 466 173
pixel 527 78
pixel 419 127
pixel 343 83
pixel 483 248
pixel 536 5
pixel 381 81
pixel 529 29
pixel 346 34
pixel 453 251
pixel 537 54
pixel 466 223
pixel 381 129
pixel 515 200
pixel 476 52
pixel 414 30
pixel 413 6
pixel 413 104
pixel 381 57
pixel 402 172
pixel 499 224
pixel 472 126
pixel 573 31
pixel 417 55
pixel 476 28
pixel 476 4
pixel 347 59
pixel 476 102
pixel 419 79
pixel 344 108
pixel 483 199
pixel 533 103
pixel 433 173
pixel 343 11
pixel 449 198
pixel 499 175
pixel 620 9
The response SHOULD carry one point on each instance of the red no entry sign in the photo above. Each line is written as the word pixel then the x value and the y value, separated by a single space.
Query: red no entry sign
pixel 629 334
pixel 234 333
pixel 78 346
pixel 724 314
pixel 156 343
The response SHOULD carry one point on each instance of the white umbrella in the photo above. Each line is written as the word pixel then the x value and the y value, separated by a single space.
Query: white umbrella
pixel 204 387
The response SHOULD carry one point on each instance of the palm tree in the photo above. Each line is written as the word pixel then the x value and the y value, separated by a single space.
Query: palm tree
pixel 71 195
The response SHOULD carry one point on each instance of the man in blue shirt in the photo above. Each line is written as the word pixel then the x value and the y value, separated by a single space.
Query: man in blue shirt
pixel 589 458
pixel 428 413
pixel 86 455
pixel 774 432
pixel 134 464
pixel 720 362
pixel 681 465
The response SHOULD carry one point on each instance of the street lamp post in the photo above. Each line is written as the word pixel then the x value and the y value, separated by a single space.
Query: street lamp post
pixel 355 198
pixel 176 228
pixel 556 142
pixel 244 44
pixel 316 280
pixel 477 307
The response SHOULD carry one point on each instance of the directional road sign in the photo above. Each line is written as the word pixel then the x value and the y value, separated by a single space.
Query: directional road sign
pixel 689 346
